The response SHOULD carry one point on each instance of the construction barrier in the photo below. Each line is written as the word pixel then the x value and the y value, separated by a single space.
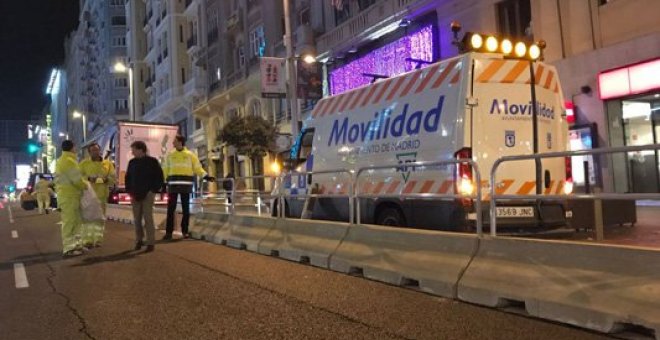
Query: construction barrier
pixel 306 241
pixel 600 287
pixel 429 260
pixel 204 226
pixel 124 214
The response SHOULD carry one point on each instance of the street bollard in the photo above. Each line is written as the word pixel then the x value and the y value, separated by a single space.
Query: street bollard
pixel 598 219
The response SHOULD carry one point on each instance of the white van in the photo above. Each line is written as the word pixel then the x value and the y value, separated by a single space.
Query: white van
pixel 476 105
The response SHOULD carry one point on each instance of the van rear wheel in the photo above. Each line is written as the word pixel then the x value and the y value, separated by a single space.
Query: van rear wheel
pixel 390 217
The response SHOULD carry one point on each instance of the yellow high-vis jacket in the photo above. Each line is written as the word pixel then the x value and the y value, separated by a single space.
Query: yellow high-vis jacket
pixel 68 178
pixel 101 174
pixel 180 167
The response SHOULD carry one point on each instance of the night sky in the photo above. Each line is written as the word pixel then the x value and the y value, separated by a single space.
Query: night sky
pixel 31 43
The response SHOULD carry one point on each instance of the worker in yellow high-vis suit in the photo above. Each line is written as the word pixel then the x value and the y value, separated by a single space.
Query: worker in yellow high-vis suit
pixel 43 190
pixel 101 175
pixel 69 186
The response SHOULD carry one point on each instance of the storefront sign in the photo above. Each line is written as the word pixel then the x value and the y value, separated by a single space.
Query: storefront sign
pixel 630 80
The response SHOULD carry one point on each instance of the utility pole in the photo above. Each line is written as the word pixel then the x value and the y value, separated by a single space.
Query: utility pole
pixel 292 95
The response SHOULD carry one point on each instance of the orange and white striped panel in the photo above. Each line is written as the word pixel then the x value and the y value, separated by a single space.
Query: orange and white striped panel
pixel 517 72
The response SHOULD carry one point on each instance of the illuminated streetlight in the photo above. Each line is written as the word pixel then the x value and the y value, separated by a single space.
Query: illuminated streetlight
pixel 76 115
pixel 309 59
pixel 120 67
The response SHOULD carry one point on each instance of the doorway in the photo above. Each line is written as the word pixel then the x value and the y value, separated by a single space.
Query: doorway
pixel 641 122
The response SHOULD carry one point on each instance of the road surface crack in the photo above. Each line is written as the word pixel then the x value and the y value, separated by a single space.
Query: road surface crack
pixel 83 323
pixel 298 300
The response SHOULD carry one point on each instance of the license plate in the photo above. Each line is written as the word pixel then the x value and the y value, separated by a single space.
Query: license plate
pixel 515 212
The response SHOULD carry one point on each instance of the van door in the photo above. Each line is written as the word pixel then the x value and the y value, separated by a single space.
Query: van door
pixel 503 125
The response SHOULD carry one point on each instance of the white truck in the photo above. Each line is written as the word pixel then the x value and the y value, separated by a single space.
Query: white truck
pixel 116 143
pixel 477 106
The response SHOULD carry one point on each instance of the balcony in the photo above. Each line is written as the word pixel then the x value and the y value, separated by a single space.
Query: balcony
pixel 360 25
pixel 188 3
pixel 194 87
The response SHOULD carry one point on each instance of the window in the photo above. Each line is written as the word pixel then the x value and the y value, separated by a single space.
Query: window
pixel 117 3
pixel 255 108
pixel 198 124
pixel 342 15
pixel 183 75
pixel 241 56
pixel 121 82
pixel 515 18
pixel 304 16
pixel 118 21
pixel 257 42
pixel 180 33
pixel 363 4
pixel 121 104
pixel 119 41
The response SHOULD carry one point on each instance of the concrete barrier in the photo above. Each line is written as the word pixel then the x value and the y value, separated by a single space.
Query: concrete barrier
pixel 429 260
pixel 307 241
pixel 207 225
pixel 124 214
pixel 245 232
pixel 600 287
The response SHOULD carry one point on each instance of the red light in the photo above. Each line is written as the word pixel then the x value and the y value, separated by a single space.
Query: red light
pixel 127 198
pixel 569 169
pixel 570 111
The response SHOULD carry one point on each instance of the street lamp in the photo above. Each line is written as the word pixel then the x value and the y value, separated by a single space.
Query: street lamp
pixel 292 95
pixel 120 67
pixel 76 115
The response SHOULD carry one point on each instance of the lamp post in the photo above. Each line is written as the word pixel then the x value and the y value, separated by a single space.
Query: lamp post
pixel 292 95
pixel 120 67
pixel 76 115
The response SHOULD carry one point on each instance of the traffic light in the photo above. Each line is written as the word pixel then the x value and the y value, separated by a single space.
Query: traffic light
pixel 33 147
pixel 11 188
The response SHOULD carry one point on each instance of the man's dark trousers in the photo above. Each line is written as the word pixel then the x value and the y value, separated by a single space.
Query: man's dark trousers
pixel 171 210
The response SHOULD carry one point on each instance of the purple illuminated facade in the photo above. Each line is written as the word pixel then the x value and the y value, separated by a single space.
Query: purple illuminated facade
pixel 389 60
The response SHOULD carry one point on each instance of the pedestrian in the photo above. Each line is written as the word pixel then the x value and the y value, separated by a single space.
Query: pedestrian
pixel 43 194
pixel 144 178
pixel 228 185
pixel 69 186
pixel 101 175
pixel 179 168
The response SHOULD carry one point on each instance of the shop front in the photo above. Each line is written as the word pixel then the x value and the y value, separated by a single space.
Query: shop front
pixel 632 101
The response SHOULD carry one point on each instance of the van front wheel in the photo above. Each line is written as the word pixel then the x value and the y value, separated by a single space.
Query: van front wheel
pixel 391 217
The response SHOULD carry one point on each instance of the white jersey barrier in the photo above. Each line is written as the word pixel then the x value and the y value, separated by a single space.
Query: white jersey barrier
pixel 430 260
pixel 601 287
pixel 305 241
pixel 124 214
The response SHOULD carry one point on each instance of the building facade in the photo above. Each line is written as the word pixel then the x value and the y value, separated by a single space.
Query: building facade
pixel 162 35
pixel 95 87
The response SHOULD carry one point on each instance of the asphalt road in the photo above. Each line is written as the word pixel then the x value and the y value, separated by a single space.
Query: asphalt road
pixel 197 290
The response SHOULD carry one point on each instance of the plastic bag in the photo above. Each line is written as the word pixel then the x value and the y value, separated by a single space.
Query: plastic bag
pixel 90 206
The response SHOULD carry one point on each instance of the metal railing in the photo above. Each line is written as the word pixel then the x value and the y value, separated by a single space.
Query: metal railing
pixel 400 194
pixel 595 196
pixel 350 192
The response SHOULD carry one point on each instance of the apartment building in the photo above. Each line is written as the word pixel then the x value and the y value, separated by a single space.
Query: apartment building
pixel 94 87
pixel 234 35
pixel 165 81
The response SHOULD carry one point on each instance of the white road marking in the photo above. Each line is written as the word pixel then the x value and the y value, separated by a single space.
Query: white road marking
pixel 20 277
pixel 14 234
pixel 11 215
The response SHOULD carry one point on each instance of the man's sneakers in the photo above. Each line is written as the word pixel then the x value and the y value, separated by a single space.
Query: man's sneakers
pixel 186 235
pixel 167 237
pixel 73 253
pixel 138 245
pixel 150 248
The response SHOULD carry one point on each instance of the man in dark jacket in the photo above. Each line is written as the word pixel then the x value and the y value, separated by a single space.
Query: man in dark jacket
pixel 144 178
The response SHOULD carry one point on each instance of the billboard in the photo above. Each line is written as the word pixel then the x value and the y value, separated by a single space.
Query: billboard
pixel 273 78
pixel 157 137
pixel 22 176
